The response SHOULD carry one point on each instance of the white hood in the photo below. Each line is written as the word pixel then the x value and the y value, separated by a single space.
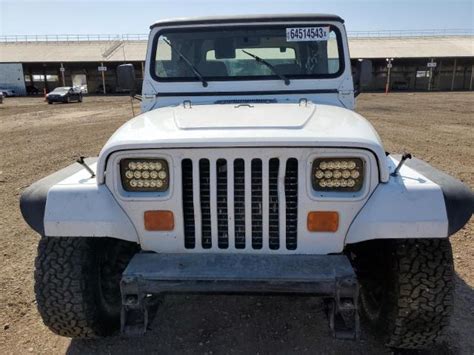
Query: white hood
pixel 224 125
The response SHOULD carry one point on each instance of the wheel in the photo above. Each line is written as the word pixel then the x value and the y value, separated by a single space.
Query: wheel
pixel 77 284
pixel 80 98
pixel 68 100
pixel 50 103
pixel 406 291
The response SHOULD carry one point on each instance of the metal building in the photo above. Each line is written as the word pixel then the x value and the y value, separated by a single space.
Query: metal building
pixel 400 59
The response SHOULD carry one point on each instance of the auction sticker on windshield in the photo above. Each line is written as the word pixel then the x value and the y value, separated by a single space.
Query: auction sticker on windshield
pixel 301 34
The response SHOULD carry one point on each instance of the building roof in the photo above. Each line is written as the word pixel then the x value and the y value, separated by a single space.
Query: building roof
pixel 119 51
pixel 412 47
pixel 246 18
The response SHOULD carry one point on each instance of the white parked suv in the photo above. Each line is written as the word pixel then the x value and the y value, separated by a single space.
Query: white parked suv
pixel 247 171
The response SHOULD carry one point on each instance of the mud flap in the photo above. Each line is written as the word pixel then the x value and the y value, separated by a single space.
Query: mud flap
pixel 149 276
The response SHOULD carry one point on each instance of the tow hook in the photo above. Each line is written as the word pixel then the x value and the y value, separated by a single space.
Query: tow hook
pixel 400 164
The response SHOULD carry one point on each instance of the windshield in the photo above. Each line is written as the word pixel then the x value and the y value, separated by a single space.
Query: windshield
pixel 61 89
pixel 229 53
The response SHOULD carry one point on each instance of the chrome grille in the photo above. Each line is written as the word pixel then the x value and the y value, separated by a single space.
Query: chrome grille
pixel 240 203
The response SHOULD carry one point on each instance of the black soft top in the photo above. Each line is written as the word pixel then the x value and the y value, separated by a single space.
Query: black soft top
pixel 245 19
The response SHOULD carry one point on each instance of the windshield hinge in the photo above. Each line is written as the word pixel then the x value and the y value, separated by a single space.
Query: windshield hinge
pixel 303 102
pixel 187 104
pixel 345 92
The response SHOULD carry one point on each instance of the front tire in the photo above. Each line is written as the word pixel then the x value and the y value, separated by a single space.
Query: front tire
pixel 406 290
pixel 77 284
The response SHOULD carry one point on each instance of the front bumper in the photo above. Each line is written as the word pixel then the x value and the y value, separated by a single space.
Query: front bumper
pixel 150 274
pixel 56 98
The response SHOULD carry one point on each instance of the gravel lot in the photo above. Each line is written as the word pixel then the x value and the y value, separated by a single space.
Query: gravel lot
pixel 37 139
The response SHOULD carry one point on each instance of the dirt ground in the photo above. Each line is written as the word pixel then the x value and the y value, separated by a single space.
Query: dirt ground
pixel 37 139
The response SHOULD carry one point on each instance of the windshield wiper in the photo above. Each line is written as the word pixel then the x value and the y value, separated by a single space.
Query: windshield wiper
pixel 187 61
pixel 268 65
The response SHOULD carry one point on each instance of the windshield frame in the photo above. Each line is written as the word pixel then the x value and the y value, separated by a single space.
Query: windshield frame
pixel 165 30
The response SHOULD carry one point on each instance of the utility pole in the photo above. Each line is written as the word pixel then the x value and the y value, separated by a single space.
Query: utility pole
pixel 103 78
pixel 472 77
pixel 431 65
pixel 454 74
pixel 62 70
pixel 389 68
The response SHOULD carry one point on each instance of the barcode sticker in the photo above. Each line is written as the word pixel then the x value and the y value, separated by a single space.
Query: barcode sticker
pixel 302 34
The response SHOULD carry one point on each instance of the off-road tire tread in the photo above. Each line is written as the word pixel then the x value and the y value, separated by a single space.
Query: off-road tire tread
pixel 66 287
pixel 420 298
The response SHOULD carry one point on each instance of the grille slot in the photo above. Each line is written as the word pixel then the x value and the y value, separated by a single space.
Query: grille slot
pixel 241 204
pixel 222 216
pixel 291 195
pixel 257 215
pixel 273 205
pixel 205 193
pixel 188 205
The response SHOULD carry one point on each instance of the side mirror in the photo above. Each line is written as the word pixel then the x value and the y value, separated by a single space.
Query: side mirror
pixel 126 78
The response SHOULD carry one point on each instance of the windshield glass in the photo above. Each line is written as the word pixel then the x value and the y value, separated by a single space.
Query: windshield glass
pixel 61 89
pixel 223 53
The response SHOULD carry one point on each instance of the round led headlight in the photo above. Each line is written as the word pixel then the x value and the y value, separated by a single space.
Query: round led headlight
pixel 338 174
pixel 144 174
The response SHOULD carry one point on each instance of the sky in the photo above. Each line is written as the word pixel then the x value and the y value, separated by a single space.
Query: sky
pixel 20 17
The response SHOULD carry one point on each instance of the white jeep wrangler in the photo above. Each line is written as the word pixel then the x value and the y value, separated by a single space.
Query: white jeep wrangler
pixel 247 171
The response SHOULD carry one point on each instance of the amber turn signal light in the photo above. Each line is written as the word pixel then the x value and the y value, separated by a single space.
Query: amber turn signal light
pixel 323 221
pixel 159 221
